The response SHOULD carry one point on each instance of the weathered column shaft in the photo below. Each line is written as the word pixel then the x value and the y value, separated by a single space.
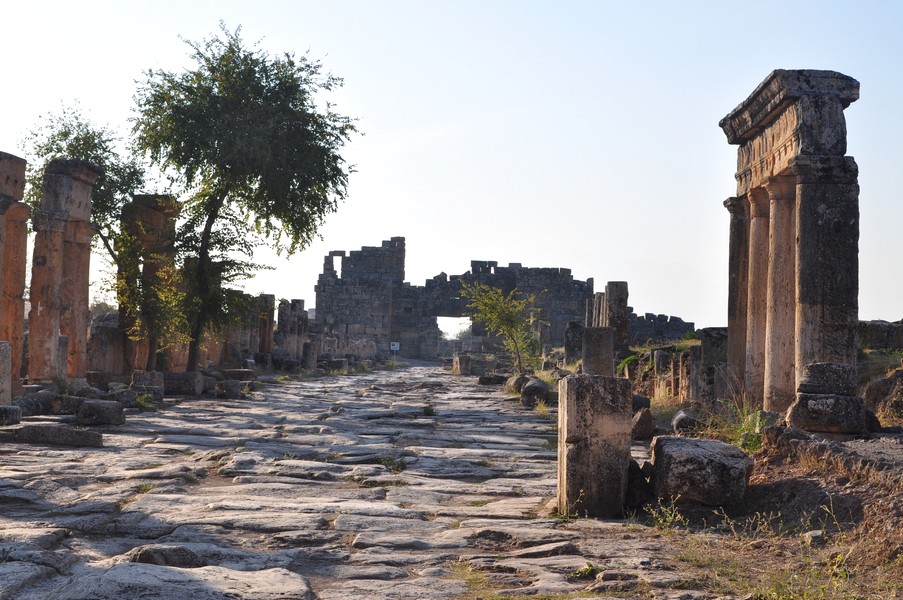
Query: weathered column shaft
pixel 13 239
pixel 780 331
pixel 598 351
pixel 266 304
pixel 598 310
pixel 738 290
pixel 757 296
pixel 594 424
pixel 45 296
pixel 616 313
pixel 75 298
pixel 827 268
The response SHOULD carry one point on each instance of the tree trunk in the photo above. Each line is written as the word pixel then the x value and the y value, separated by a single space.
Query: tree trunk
pixel 203 277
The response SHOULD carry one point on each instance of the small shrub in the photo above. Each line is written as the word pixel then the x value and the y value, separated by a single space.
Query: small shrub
pixel 429 411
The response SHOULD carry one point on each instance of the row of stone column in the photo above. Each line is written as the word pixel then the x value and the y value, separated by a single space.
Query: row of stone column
pixel 794 232
pixel 59 273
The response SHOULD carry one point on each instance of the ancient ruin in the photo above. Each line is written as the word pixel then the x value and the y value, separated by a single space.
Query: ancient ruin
pixel 794 233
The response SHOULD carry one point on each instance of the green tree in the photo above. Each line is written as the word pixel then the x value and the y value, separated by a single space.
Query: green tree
pixel 246 135
pixel 69 134
pixel 511 316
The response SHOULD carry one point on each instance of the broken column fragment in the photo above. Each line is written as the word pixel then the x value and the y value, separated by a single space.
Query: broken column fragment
pixel 594 426
pixel 617 314
pixel 598 351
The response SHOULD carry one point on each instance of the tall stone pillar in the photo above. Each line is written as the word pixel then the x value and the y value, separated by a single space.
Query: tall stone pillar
pixel 780 376
pixel 757 295
pixel 827 266
pixel 594 424
pixel 14 216
pixel 68 185
pixel 616 313
pixel 738 290
pixel 598 310
pixel 266 306
pixel 46 295
pixel 75 298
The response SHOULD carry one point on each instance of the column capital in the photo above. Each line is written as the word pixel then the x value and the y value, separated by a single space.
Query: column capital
pixel 758 202
pixel 45 220
pixel 737 206
pixel 781 187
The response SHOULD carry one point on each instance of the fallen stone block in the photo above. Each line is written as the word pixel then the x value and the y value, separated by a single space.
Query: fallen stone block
pixel 152 392
pixel 55 435
pixel 66 405
pixel 190 383
pixel 10 415
pixel 239 374
pixel 100 412
pixel 232 389
pixel 828 413
pixel 148 378
pixel 699 471
pixel 643 425
pixel 533 391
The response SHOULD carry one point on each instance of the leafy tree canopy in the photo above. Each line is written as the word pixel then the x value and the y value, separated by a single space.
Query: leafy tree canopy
pixel 69 134
pixel 510 316
pixel 246 135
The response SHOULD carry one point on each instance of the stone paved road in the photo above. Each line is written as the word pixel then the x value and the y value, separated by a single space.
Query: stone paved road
pixel 389 485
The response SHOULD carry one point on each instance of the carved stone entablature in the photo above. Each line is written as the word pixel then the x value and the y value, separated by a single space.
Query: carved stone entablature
pixel 792 113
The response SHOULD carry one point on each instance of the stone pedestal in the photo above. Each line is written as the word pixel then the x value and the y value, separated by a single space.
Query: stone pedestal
pixel 594 427
pixel 598 351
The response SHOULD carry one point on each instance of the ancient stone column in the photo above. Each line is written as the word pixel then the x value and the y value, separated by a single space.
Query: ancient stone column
pixel 598 310
pixel 738 290
pixel 616 313
pixel 598 351
pixel 266 307
pixel 780 376
pixel 13 241
pixel 66 196
pixel 588 318
pixel 757 296
pixel 573 342
pixel 827 264
pixel 594 425
pixel 75 298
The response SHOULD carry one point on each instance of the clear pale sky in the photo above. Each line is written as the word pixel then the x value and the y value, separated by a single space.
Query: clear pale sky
pixel 554 134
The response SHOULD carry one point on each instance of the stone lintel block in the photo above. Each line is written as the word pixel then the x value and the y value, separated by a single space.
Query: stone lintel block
pixel 12 176
pixel 100 412
pixel 699 471
pixel 781 88
pixel 828 378
pixel 56 435
pixel 827 413
pixel 189 383
pixel 595 419
pixel 10 415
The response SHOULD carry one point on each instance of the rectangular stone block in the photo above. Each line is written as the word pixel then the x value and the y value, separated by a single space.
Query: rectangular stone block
pixel 598 351
pixel 189 383
pixel 56 435
pixel 594 427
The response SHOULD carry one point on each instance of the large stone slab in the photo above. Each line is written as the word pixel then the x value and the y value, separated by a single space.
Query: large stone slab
pixel 190 383
pixel 693 470
pixel 827 413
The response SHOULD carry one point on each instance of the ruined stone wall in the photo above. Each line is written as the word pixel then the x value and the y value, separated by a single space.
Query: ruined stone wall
pixel 880 334
pixel 357 304
pixel 657 327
